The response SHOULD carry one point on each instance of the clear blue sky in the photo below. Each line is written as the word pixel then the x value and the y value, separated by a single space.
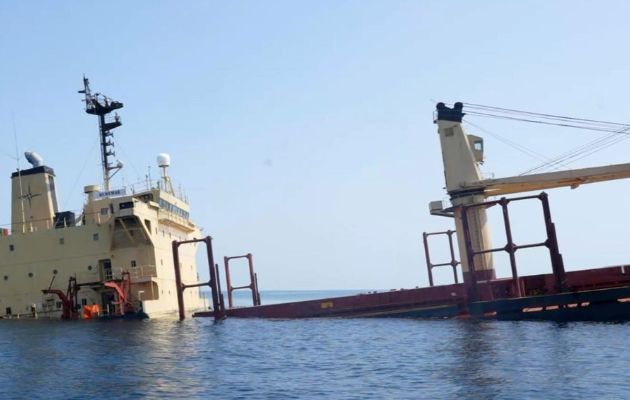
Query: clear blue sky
pixel 302 131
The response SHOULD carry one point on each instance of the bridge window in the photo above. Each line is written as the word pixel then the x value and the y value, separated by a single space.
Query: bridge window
pixel 125 205
pixel 165 205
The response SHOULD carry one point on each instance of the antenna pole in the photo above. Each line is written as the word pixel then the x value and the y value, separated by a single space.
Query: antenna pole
pixel 19 171
pixel 101 105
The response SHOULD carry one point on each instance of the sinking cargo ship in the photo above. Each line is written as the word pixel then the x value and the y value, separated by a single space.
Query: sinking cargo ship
pixel 112 259
pixel 601 294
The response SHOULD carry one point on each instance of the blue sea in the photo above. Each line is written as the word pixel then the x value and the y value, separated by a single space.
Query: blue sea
pixel 313 359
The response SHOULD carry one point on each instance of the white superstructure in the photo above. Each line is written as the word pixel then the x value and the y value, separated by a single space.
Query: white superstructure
pixel 122 236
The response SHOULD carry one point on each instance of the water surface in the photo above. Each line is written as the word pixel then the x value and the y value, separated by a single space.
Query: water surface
pixel 314 359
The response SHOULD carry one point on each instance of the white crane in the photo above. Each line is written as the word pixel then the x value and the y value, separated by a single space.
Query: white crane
pixel 463 153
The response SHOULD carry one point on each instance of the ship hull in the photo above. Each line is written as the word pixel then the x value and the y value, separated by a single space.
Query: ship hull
pixel 596 295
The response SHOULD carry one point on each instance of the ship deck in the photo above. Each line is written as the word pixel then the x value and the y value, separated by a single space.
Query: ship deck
pixel 593 294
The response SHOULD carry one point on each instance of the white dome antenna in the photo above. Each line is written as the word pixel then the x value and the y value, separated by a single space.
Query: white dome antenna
pixel 164 161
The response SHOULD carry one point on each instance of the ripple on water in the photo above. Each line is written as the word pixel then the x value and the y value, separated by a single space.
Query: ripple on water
pixel 328 358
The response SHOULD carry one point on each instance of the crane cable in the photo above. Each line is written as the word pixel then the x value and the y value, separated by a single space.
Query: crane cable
pixel 617 133
pixel 525 150
pixel 579 152
pixel 497 111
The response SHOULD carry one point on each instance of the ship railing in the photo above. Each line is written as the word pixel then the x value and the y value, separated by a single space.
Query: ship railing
pixel 145 185
pixel 142 272
pixel 171 216
pixel 167 217
pixel 137 273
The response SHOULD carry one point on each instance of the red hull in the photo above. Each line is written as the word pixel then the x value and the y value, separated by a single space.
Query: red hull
pixel 586 289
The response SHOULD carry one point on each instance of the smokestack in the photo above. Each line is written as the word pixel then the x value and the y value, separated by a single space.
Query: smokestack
pixel 33 198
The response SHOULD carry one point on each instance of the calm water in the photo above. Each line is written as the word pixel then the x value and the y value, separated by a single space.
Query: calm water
pixel 319 359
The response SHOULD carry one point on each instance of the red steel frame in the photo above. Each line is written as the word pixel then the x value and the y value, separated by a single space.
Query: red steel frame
pixel 123 292
pixel 68 299
pixel 453 263
pixel 253 279
pixel 551 243
pixel 218 308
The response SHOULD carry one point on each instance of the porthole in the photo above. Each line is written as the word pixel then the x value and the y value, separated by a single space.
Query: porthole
pixel 6 277
pixel 30 274
pixel 89 267
pixel 11 247
pixel 55 272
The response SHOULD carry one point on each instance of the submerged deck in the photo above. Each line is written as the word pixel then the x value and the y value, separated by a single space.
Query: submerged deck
pixel 594 294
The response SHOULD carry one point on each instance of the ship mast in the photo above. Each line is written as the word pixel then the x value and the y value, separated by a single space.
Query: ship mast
pixel 101 105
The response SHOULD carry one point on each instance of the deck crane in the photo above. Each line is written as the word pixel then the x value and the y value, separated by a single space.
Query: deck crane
pixel 462 154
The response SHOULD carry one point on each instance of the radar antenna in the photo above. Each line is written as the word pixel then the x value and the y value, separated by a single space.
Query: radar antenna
pixel 101 105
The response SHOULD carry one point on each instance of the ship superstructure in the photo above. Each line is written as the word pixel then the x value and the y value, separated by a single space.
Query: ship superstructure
pixel 113 258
